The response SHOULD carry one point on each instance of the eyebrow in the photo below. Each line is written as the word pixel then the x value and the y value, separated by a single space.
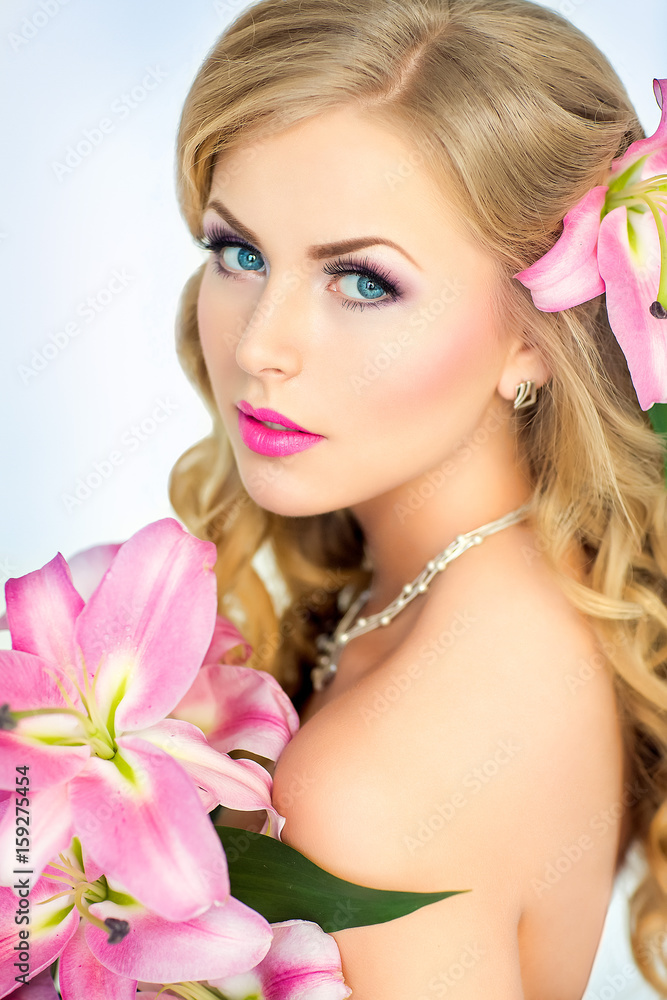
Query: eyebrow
pixel 320 251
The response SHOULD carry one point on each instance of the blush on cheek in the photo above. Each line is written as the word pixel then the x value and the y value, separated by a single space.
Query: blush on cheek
pixel 215 325
pixel 438 367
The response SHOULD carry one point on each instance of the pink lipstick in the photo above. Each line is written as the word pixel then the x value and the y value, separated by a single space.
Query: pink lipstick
pixel 272 440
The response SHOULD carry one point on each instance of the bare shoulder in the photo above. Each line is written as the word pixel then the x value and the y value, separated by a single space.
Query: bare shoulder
pixel 464 762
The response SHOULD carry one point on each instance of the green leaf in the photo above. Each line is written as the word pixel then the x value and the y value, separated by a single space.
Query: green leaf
pixel 282 884
pixel 658 417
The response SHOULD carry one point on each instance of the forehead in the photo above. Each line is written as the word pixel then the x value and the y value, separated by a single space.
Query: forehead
pixel 339 163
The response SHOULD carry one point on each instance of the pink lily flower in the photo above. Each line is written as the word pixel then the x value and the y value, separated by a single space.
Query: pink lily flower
pixel 615 241
pixel 39 988
pixel 87 568
pixel 240 708
pixel 84 694
pixel 303 963
pixel 236 709
pixel 107 941
pixel 50 929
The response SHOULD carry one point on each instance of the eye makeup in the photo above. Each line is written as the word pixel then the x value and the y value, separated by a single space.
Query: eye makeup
pixel 216 239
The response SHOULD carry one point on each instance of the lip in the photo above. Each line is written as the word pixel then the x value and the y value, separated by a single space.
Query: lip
pixel 267 440
pixel 272 415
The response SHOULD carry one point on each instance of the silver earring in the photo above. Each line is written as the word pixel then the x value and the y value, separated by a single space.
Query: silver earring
pixel 526 394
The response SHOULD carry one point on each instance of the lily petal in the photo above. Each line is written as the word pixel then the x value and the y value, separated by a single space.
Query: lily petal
pixel 631 273
pixel 240 708
pixel 226 637
pixel 29 682
pixel 237 784
pixel 88 566
pixel 52 925
pixel 42 608
pixel 303 963
pixel 150 620
pixel 50 831
pixel 83 977
pixel 568 274
pixel 224 940
pixel 140 818
pixel 41 987
pixel 655 145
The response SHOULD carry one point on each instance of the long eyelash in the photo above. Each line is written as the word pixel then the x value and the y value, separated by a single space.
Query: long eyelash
pixel 381 277
pixel 218 238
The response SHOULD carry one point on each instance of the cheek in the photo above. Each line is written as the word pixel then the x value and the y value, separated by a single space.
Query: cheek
pixel 447 366
pixel 215 324
pixel 206 316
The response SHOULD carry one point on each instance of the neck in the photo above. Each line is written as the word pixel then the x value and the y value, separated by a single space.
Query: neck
pixel 480 481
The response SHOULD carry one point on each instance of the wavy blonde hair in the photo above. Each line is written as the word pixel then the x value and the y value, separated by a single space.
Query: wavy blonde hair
pixel 520 115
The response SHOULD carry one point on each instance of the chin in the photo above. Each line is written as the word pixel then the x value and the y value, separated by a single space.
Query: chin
pixel 301 502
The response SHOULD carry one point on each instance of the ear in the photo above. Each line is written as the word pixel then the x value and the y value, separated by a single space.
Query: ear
pixel 523 362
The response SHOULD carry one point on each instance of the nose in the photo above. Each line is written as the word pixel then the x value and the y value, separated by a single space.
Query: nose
pixel 269 344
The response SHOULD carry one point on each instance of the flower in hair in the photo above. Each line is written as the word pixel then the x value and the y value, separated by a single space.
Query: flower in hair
pixel 615 241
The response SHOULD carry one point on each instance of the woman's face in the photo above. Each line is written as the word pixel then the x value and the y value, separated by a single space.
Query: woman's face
pixel 389 351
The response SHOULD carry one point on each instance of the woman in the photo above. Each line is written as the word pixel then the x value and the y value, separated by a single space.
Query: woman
pixel 499 729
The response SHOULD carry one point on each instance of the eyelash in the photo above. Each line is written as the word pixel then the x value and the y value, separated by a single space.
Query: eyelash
pixel 217 239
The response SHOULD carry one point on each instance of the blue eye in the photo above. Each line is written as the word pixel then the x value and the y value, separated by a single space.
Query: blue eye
pixel 370 283
pixel 366 287
pixel 249 260
pixel 221 243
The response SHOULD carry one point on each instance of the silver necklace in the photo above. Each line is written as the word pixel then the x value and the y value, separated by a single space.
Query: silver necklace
pixel 331 646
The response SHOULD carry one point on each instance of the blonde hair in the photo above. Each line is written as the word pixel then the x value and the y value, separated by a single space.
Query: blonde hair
pixel 521 115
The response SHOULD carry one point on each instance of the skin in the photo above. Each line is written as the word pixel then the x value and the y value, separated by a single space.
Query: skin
pixel 307 356
pixel 417 443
